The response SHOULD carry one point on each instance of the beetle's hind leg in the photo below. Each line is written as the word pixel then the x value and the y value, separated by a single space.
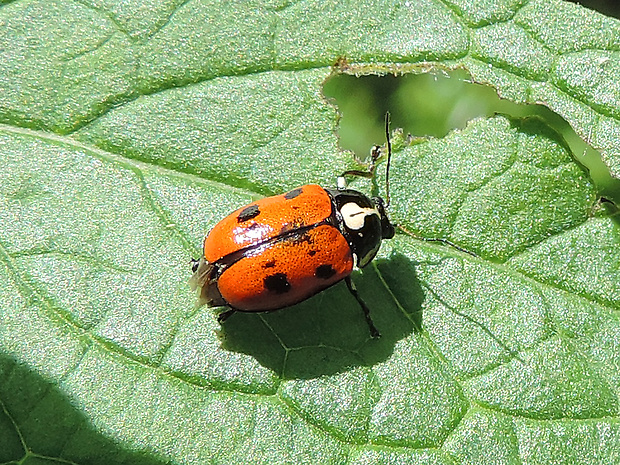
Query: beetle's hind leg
pixel 222 317
pixel 374 332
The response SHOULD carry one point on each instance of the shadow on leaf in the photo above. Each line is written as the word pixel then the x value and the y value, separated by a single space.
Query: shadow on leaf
pixel 38 423
pixel 327 333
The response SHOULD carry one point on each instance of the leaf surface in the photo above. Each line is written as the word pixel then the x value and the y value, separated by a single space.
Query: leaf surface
pixel 129 131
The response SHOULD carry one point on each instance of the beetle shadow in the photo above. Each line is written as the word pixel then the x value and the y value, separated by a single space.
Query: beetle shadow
pixel 327 334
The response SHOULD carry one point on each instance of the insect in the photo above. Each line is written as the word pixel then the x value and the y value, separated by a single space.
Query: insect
pixel 281 250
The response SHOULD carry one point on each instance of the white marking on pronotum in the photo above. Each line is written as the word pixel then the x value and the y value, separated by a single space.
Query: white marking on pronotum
pixel 354 215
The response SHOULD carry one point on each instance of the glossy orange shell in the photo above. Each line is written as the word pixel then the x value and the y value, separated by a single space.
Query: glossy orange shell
pixel 267 218
pixel 275 252
pixel 307 263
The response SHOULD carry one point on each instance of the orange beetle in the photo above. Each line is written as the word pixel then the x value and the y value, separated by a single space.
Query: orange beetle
pixel 281 250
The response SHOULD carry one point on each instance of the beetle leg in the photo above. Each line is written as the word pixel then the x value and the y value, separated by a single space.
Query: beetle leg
pixel 222 317
pixel 440 240
pixel 374 332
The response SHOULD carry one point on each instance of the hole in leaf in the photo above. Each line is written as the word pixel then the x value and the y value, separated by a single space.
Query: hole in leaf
pixel 607 7
pixel 435 103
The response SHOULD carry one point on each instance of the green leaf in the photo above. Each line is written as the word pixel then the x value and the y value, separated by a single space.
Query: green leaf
pixel 130 130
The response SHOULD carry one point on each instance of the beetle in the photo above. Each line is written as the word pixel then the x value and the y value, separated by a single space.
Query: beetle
pixel 281 250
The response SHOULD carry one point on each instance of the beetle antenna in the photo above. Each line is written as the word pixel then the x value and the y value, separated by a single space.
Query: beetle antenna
pixel 375 153
pixel 389 159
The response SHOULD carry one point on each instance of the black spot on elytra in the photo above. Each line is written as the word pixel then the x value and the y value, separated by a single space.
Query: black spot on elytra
pixel 324 271
pixel 294 193
pixel 248 213
pixel 269 264
pixel 277 283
